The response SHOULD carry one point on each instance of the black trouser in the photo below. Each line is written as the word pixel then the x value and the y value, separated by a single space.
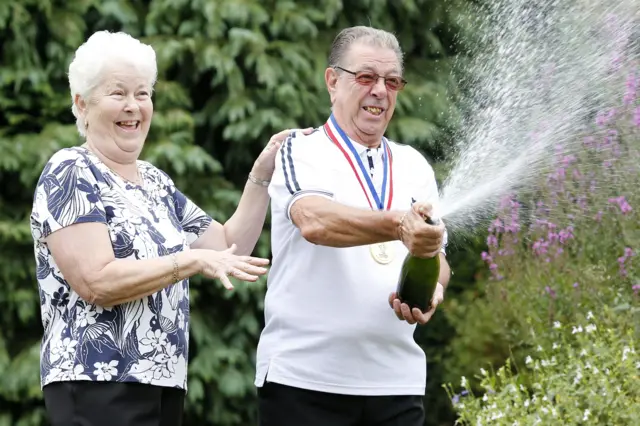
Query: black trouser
pixel 109 403
pixel 281 405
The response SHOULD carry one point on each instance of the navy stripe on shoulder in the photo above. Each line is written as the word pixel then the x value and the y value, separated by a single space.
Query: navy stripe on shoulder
pixel 289 176
pixel 284 164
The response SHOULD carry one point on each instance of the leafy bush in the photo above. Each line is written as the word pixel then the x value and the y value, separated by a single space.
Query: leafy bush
pixel 567 248
pixel 588 375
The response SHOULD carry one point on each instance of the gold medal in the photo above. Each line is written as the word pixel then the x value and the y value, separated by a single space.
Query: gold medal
pixel 382 253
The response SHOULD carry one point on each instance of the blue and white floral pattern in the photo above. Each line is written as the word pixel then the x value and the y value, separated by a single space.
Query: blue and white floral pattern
pixel 141 341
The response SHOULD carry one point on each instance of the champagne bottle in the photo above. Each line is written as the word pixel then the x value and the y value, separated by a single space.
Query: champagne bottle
pixel 419 278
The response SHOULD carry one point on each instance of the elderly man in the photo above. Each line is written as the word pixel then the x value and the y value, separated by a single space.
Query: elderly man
pixel 347 207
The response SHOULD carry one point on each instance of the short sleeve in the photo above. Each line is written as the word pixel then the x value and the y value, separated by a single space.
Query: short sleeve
pixel 66 193
pixel 299 172
pixel 193 220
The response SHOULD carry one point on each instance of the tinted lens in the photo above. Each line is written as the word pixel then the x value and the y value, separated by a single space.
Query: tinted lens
pixel 366 78
pixel 393 83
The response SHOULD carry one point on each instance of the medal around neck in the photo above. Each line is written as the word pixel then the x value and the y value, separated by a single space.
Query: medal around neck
pixel 383 253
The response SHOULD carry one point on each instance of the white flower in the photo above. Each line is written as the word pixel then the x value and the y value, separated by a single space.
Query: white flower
pixel 70 372
pixel 555 346
pixel 589 315
pixel 583 352
pixel 591 328
pixel 463 382
pixel 65 349
pixel 557 324
pixel 575 330
pixel 577 378
pixel 529 360
pixel 180 319
pixel 587 413
pixel 483 371
pixel 166 362
pixel 86 316
pixel 496 416
pixel 539 348
pixel 526 403
pixel 156 340
pixel 104 371
pixel 625 351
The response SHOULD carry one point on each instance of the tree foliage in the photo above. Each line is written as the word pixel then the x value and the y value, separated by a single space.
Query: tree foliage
pixel 231 73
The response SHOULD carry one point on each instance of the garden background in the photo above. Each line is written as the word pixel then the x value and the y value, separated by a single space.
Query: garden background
pixel 232 73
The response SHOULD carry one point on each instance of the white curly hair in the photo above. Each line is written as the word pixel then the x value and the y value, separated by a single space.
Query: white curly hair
pixel 86 71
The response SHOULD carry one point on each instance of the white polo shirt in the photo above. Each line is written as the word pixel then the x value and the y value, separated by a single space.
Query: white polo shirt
pixel 329 326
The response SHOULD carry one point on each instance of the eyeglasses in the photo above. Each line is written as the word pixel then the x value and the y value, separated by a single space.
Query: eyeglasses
pixel 368 78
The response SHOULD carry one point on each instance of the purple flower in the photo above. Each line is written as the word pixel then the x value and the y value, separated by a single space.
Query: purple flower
pixel 565 234
pixel 604 118
pixel 628 252
pixel 622 203
pixel 636 289
pixel 636 117
pixel 576 285
pixel 550 292
pixel 540 247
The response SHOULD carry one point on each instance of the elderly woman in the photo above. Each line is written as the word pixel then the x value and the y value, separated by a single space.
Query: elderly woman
pixel 115 244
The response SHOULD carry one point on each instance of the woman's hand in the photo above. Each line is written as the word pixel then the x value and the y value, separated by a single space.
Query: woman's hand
pixel 225 264
pixel 266 162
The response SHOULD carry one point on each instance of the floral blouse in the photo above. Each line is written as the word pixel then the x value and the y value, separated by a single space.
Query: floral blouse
pixel 145 340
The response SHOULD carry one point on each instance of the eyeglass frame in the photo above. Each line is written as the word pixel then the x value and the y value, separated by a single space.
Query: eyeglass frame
pixel 376 76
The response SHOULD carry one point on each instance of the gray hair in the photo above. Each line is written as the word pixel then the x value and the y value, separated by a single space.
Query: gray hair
pixel 105 48
pixel 362 34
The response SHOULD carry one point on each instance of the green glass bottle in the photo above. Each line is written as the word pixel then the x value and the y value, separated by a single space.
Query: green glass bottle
pixel 419 278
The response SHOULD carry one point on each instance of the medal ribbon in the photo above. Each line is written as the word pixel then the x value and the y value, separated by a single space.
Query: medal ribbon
pixel 387 161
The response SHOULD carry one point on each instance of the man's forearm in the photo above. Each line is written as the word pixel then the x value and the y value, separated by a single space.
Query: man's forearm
pixel 325 222
pixel 245 226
